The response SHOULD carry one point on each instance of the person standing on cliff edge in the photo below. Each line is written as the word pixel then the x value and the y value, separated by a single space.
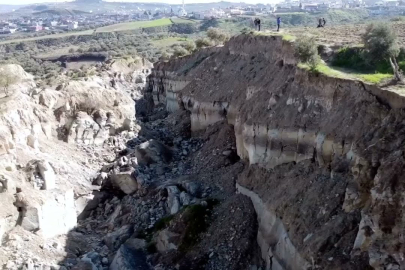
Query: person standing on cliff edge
pixel 278 23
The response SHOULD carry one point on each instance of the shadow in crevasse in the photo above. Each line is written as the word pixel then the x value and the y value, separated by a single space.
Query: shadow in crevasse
pixel 101 240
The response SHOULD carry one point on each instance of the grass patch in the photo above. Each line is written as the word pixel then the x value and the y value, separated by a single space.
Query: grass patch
pixel 288 37
pixel 162 223
pixel 197 219
pixel 181 20
pixel 375 78
pixel 167 42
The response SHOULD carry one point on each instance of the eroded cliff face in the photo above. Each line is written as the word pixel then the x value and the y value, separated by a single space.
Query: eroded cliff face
pixel 326 154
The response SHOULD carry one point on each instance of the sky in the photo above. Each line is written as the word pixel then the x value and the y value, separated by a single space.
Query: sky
pixel 24 2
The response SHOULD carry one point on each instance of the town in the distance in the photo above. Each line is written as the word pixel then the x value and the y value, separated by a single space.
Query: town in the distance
pixel 51 18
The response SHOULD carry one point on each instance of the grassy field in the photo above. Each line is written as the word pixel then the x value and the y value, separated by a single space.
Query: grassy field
pixel 87 32
pixel 111 28
pixel 167 42
pixel 373 78
pixel 180 20
pixel 134 25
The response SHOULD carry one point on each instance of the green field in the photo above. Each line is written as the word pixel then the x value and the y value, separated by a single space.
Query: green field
pixel 87 32
pixel 111 28
pixel 134 25
pixel 181 20
pixel 167 42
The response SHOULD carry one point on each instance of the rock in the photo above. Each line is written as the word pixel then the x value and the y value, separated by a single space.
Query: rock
pixel 47 174
pixel 114 240
pixel 152 151
pixel 129 258
pixel 92 257
pixel 136 243
pixel 31 216
pixel 192 188
pixel 84 129
pixel 125 181
pixel 32 141
pixel 185 199
pixel 100 179
pixel 173 201
pixel 165 240
pixel 104 261
pixel 84 265
pixel 4 181
pixel 54 216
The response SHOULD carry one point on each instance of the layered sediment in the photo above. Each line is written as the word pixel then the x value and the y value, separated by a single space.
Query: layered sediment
pixel 325 154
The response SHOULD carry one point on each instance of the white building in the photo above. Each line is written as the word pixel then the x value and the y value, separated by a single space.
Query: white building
pixel 73 25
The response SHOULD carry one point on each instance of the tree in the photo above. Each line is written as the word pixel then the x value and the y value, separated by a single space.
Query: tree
pixel 6 80
pixel 216 35
pixel 71 50
pixel 380 43
pixel 307 51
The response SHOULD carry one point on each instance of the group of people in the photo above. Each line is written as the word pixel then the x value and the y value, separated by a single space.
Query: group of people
pixel 322 22
pixel 257 23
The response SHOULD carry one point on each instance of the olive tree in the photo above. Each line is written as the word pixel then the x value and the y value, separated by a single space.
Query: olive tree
pixel 6 80
pixel 380 43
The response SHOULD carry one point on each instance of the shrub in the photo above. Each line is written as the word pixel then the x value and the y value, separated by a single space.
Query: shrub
pixel 216 35
pixel 190 46
pixel 6 80
pixel 307 51
pixel 179 51
pixel 203 42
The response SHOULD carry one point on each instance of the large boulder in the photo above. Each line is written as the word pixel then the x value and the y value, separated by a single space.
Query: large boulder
pixel 130 256
pixel 152 151
pixel 125 181
pixel 53 213
pixel 165 240
pixel 114 239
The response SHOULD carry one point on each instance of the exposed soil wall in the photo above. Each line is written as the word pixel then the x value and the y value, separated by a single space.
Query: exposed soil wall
pixel 326 154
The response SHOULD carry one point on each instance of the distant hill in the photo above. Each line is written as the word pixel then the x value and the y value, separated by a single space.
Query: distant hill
pixel 60 12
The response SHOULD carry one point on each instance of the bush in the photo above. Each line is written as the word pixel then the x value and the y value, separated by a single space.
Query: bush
pixel 203 42
pixel 217 36
pixel 307 51
pixel 179 51
pixel 190 46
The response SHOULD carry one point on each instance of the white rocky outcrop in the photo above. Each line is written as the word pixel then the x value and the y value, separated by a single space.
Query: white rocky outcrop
pixel 51 145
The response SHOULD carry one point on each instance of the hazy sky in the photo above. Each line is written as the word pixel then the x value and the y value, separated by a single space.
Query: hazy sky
pixel 23 2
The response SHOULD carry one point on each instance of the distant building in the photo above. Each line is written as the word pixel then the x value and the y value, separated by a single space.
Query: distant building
pixel 73 25
pixel 236 12
pixel 34 28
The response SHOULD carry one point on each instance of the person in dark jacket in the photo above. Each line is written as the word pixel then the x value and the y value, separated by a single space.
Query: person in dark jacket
pixel 323 21
pixel 278 23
